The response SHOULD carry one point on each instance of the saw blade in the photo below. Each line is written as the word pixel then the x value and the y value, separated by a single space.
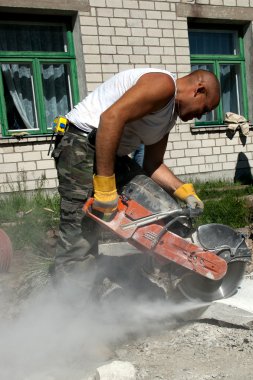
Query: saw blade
pixel 196 287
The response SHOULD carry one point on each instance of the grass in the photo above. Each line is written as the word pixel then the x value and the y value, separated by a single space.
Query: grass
pixel 217 189
pixel 26 218
pixel 228 210
pixel 225 203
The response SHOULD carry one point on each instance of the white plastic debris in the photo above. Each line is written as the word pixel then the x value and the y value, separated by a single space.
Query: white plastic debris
pixel 116 370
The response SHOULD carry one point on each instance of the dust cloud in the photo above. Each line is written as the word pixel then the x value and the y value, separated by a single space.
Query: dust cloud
pixel 59 334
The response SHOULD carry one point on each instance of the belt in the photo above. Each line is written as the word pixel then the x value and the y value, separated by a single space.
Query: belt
pixel 73 129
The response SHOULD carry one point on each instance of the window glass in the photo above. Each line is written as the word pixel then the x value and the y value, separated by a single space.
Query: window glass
pixel 231 88
pixel 56 90
pixel 19 96
pixel 38 77
pixel 213 42
pixel 20 37
pixel 221 52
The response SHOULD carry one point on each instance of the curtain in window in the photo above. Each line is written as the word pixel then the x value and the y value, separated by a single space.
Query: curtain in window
pixel 56 89
pixel 18 78
pixel 36 82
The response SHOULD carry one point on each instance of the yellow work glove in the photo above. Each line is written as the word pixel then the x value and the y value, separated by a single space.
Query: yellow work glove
pixel 187 194
pixel 105 196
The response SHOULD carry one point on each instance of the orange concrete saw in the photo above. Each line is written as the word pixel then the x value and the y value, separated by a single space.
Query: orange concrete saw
pixel 208 261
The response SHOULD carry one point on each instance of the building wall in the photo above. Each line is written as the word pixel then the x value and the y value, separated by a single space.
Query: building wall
pixel 25 165
pixel 114 35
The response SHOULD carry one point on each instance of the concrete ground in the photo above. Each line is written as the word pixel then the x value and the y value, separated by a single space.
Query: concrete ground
pixel 216 344
pixel 45 337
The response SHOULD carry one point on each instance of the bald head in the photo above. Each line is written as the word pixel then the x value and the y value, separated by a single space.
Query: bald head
pixel 197 94
pixel 208 79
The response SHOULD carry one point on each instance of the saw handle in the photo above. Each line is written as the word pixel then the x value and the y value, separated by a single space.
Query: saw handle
pixel 193 212
pixel 186 211
pixel 87 207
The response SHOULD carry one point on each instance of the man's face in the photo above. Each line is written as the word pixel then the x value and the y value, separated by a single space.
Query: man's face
pixel 196 107
pixel 197 104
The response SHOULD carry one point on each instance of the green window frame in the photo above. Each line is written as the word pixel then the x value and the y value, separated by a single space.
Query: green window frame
pixel 219 63
pixel 53 70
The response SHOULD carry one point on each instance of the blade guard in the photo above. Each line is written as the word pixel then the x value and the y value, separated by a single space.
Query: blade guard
pixel 170 246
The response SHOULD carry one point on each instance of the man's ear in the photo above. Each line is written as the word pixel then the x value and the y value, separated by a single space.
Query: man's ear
pixel 200 90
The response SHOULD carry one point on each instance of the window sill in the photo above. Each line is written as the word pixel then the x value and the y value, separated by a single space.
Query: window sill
pixel 209 128
pixel 4 140
pixel 212 128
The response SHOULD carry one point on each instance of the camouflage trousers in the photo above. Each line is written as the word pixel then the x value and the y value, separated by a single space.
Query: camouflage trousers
pixel 77 234
pixel 74 158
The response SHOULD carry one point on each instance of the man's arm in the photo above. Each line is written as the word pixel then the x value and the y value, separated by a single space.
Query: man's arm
pixel 151 93
pixel 156 169
pixel 163 176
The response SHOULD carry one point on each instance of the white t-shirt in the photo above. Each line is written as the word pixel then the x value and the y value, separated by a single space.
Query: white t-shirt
pixel 147 130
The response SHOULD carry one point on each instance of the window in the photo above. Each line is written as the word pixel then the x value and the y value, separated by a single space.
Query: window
pixel 221 51
pixel 37 75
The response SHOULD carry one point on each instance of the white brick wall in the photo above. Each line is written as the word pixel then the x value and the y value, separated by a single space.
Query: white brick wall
pixel 121 34
pixel 24 164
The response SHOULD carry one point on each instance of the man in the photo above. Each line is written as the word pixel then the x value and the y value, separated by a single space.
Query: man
pixel 137 106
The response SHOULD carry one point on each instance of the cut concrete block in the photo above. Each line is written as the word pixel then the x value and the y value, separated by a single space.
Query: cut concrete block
pixel 116 370
pixel 236 310
pixel 243 297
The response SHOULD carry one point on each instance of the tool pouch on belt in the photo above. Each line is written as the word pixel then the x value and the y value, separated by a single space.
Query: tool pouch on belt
pixel 59 127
